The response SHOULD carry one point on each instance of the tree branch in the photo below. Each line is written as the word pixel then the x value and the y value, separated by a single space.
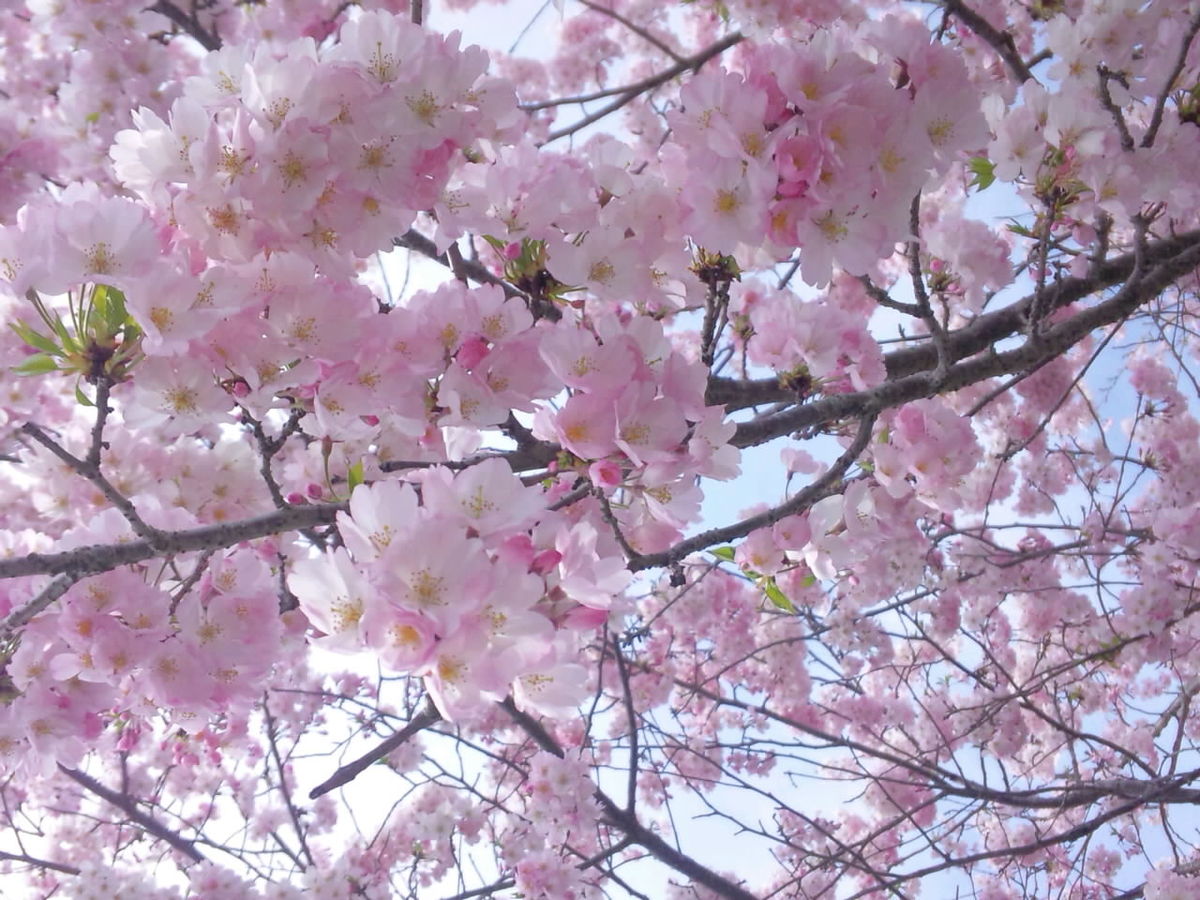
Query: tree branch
pixel 628 822
pixel 1161 103
pixel 103 557
pixel 1001 41
pixel 91 471
pixel 129 806
pixel 414 240
pixel 827 484
pixel 981 335
pixel 425 717
pixel 190 24
pixel 646 84
pixel 272 740
pixel 40 863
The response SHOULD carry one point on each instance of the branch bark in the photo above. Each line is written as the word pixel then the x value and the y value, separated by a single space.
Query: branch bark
pixel 103 557
pixel 910 370
pixel 427 716
pixel 982 333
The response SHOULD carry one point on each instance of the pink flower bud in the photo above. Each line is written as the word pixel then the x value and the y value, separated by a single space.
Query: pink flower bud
pixel 544 561
pixel 472 352
pixel 605 473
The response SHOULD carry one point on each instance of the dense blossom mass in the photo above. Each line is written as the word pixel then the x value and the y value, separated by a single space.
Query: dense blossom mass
pixel 373 404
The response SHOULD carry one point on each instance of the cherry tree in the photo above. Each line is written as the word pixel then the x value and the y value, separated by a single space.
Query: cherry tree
pixel 369 398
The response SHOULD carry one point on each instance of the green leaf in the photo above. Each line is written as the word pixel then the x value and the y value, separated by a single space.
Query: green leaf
pixel 35 338
pixel 81 397
pixel 354 475
pixel 108 306
pixel 777 597
pixel 725 553
pixel 117 298
pixel 37 364
pixel 100 301
pixel 66 340
pixel 984 171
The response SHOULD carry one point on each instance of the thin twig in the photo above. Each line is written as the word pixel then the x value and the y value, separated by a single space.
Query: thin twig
pixel 1106 75
pixel 414 240
pixel 691 63
pixel 38 604
pixel 641 32
pixel 1160 103
pixel 40 863
pixel 283 785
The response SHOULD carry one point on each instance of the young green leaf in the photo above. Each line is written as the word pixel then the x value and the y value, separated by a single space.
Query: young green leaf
pixel 983 170
pixel 35 339
pixel 776 596
pixel 354 475
pixel 37 364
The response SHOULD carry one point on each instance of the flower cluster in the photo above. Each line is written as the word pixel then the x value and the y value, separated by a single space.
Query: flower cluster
pixel 1099 144
pixel 822 345
pixel 929 449
pixel 467 580
pixel 327 152
pixel 821 148
pixel 636 420
pixel 116 645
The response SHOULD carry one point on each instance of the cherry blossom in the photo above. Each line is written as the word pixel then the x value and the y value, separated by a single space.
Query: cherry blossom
pixel 435 470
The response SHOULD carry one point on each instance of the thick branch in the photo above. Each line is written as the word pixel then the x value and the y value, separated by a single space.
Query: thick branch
pixel 427 716
pixel 1053 342
pixel 103 557
pixel 984 332
pixel 190 24
pixel 1001 41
